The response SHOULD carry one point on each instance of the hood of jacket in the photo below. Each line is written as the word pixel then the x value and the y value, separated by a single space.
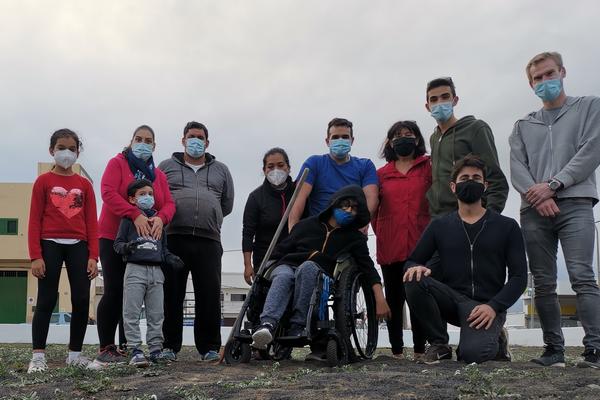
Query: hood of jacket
pixel 354 192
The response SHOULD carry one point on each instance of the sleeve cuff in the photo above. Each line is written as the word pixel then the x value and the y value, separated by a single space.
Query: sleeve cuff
pixel 565 179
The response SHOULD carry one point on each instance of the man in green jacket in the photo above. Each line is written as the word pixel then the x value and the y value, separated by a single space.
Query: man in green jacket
pixel 451 141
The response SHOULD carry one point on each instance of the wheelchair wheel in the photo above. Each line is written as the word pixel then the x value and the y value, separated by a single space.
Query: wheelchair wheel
pixel 237 352
pixel 356 320
pixel 335 356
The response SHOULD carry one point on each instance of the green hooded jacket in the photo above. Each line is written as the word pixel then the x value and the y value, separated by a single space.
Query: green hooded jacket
pixel 468 135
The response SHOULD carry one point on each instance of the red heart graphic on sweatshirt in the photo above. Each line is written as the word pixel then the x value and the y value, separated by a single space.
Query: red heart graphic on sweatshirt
pixel 69 203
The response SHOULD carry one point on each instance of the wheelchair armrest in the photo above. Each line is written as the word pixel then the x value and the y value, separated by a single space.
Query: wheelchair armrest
pixel 343 262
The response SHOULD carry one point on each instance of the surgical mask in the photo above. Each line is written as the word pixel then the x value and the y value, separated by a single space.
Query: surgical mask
pixel 65 158
pixel 442 112
pixel 548 90
pixel 343 217
pixel 404 146
pixel 145 202
pixel 143 151
pixel 277 177
pixel 195 147
pixel 339 148
pixel 469 191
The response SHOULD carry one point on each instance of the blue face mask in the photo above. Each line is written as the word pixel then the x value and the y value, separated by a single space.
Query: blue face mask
pixel 442 112
pixel 342 217
pixel 548 90
pixel 339 148
pixel 195 147
pixel 145 202
pixel 143 151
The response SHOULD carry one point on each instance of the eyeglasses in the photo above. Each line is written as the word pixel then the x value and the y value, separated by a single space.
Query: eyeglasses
pixel 353 205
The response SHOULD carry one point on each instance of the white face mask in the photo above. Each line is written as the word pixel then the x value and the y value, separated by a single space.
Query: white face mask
pixel 277 177
pixel 65 158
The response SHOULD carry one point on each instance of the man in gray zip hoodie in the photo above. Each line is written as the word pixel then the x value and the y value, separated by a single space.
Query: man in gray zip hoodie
pixel 202 188
pixel 553 158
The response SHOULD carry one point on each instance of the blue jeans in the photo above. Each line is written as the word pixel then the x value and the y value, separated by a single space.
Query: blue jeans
pixel 574 228
pixel 285 280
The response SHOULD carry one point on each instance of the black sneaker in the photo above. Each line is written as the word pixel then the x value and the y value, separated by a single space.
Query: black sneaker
pixel 263 336
pixel 551 358
pixel 435 353
pixel 591 359
pixel 504 353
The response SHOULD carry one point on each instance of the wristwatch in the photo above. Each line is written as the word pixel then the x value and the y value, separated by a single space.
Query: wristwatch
pixel 555 185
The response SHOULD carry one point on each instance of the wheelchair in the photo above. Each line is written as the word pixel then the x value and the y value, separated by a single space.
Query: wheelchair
pixel 341 318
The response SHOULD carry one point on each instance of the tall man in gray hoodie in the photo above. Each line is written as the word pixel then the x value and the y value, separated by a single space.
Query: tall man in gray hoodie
pixel 202 188
pixel 553 158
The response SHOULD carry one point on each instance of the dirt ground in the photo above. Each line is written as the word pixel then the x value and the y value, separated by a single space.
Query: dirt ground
pixel 380 378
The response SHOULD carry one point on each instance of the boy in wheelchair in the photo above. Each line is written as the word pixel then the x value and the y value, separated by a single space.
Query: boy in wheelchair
pixel 314 245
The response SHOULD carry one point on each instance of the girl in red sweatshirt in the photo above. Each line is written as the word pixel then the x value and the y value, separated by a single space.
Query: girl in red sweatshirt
pixel 63 229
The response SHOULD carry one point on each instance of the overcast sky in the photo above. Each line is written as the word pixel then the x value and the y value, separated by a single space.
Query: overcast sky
pixel 270 73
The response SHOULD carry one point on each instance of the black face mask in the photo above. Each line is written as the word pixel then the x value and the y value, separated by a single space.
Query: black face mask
pixel 404 146
pixel 469 191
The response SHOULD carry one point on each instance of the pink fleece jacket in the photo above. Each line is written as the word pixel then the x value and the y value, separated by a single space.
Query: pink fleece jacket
pixel 117 176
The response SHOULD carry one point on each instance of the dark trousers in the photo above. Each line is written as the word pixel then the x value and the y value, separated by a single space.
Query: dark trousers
pixel 202 257
pixel 75 257
pixel 395 296
pixel 110 308
pixel 436 304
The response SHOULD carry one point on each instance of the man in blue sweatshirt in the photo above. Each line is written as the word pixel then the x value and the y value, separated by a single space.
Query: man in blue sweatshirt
pixel 554 153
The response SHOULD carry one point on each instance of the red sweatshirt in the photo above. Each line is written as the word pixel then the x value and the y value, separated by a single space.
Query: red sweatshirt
pixel 403 210
pixel 62 207
pixel 117 176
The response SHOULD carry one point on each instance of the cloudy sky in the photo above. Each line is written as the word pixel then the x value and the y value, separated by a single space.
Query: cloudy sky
pixel 270 73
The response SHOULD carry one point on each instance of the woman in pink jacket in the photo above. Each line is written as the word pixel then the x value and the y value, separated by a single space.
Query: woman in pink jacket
pixel 134 162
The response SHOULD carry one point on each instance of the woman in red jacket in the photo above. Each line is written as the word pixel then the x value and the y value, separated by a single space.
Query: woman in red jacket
pixel 402 216
pixel 134 162
pixel 62 229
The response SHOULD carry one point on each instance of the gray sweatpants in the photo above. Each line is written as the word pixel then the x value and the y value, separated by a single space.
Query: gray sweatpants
pixel 143 284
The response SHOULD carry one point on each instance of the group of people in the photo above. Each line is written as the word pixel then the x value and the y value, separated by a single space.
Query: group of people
pixel 442 243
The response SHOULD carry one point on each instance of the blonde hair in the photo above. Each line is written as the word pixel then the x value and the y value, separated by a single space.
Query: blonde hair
pixel 552 55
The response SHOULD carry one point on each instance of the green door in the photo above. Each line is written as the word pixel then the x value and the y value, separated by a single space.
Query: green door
pixel 13 297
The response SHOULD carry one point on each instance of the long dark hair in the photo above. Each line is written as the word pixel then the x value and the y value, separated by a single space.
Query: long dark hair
pixel 388 152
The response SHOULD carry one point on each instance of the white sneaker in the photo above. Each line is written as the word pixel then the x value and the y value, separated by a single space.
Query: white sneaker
pixel 37 365
pixel 79 361
pixel 262 337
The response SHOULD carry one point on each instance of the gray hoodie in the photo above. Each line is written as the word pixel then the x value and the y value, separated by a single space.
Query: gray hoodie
pixel 567 150
pixel 201 198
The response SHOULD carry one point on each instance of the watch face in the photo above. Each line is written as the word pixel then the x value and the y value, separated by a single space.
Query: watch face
pixel 554 185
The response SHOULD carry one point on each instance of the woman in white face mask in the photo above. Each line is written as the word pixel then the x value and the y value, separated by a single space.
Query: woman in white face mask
pixel 264 209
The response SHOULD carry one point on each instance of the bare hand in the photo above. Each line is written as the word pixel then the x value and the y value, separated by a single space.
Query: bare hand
pixel 416 272
pixel 38 268
pixel 249 274
pixel 142 226
pixel 538 193
pixel 547 208
pixel 481 316
pixel 92 269
pixel 156 225
pixel 382 310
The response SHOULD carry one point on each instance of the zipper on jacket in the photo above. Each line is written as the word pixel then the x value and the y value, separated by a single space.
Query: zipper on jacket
pixel 471 245
pixel 197 204
pixel 327 234
pixel 551 151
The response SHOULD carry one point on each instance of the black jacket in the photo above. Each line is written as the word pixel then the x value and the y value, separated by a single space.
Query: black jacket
pixel 263 211
pixel 480 273
pixel 310 240
pixel 143 251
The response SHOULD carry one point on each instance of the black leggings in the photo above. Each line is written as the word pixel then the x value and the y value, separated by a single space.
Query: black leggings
pixel 110 307
pixel 75 257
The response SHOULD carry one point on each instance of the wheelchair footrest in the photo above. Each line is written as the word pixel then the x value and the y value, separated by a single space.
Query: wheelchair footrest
pixel 292 341
pixel 243 338
pixel 325 324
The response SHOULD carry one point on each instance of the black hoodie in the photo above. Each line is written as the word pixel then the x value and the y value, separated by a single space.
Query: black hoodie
pixel 313 239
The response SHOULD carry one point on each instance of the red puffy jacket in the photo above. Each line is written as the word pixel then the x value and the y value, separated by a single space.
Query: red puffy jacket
pixel 403 211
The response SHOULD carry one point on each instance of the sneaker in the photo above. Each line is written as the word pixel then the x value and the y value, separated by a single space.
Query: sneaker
pixel 417 356
pixel 157 357
pixel 316 355
pixel 591 359
pixel 262 336
pixel 551 358
pixel 211 355
pixel 123 350
pixel 80 361
pixel 138 359
pixel 108 355
pixel 168 355
pixel 435 353
pixel 37 365
pixel 398 356
pixel 504 353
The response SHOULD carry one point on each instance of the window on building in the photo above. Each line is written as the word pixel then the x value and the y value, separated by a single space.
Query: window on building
pixel 238 297
pixel 9 226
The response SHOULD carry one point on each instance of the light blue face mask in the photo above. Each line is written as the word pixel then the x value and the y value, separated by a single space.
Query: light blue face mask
pixel 195 147
pixel 145 202
pixel 339 148
pixel 143 151
pixel 442 112
pixel 548 90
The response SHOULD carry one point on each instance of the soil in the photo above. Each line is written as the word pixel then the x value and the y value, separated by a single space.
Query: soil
pixel 383 377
